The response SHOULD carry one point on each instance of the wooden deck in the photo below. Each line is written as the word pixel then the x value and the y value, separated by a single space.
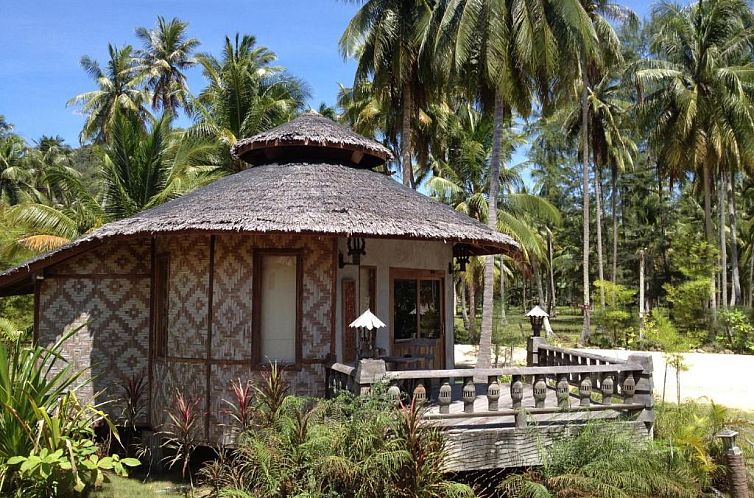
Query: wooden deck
pixel 492 424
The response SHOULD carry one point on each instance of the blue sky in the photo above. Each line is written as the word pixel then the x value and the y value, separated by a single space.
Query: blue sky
pixel 41 43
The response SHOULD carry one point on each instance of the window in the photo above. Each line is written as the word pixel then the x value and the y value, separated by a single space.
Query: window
pixel 417 305
pixel 277 293
pixel 161 290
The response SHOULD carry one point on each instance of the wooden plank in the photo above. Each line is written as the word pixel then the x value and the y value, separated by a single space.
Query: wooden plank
pixel 498 448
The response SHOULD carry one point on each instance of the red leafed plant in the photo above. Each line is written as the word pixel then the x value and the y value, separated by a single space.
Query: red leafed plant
pixel 241 407
pixel 181 434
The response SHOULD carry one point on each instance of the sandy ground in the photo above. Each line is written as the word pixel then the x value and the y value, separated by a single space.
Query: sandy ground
pixel 724 378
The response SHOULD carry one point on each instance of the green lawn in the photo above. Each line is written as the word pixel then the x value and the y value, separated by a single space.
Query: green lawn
pixel 158 486
pixel 566 325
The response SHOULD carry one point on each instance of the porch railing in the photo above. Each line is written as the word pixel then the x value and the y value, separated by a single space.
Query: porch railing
pixel 581 381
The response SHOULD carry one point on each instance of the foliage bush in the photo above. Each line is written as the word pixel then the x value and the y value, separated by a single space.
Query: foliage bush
pixel 605 461
pixel 46 435
pixel 739 332
pixel 690 430
pixel 358 446
pixel 615 316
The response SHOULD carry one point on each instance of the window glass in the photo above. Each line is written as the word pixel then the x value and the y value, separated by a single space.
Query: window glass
pixel 404 302
pixel 278 310
pixel 429 309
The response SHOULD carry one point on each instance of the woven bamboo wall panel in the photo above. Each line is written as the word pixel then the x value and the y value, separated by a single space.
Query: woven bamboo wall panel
pixel 188 296
pixel 232 297
pixel 112 318
pixel 115 257
pixel 170 378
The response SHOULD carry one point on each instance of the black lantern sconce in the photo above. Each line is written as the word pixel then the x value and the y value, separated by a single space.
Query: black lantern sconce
pixel 537 317
pixel 356 249
pixel 461 254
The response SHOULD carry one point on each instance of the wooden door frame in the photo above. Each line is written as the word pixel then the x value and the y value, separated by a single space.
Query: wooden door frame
pixel 418 274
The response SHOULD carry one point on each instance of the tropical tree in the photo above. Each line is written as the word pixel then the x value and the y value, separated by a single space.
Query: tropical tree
pixel 119 91
pixel 386 39
pixel 245 94
pixel 698 91
pixel 163 61
pixel 144 168
pixel 13 173
pixel 507 52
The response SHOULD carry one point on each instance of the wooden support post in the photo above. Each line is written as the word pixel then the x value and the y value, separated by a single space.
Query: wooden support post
pixel 517 395
pixel 444 397
pixel 608 389
pixel 540 392
pixel 493 393
pixel 394 394
pixel 469 395
pixel 563 392
pixel 420 394
pixel 644 387
pixel 532 351
pixel 585 390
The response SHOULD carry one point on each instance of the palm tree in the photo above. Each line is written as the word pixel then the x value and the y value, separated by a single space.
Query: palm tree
pixel 144 168
pixel 610 144
pixel 698 93
pixel 119 90
pixel 164 59
pixel 460 179
pixel 385 37
pixel 245 94
pixel 592 67
pixel 508 52
pixel 13 172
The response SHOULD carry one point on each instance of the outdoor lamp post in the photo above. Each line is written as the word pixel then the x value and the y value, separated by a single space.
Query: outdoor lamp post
pixel 537 318
pixel 366 326
pixel 734 457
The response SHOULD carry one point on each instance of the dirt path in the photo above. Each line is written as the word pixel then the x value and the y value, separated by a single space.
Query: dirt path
pixel 724 378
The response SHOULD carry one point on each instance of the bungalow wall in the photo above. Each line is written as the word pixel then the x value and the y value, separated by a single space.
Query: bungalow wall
pixel 105 295
pixel 209 340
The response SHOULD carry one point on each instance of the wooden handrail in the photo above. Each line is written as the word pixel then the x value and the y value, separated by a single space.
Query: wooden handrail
pixel 611 360
pixel 499 372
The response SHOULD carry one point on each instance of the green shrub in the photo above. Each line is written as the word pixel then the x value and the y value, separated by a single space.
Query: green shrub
pixel 358 446
pixel 615 316
pixel 605 461
pixel 690 430
pixel 46 434
pixel 739 332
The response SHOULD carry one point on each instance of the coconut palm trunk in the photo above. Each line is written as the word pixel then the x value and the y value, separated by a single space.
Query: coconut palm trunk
pixel 464 305
pixel 471 294
pixel 708 230
pixel 551 309
pixel 598 212
pixel 721 207
pixel 586 330
pixel 614 214
pixel 406 143
pixel 503 318
pixel 488 301
pixel 735 291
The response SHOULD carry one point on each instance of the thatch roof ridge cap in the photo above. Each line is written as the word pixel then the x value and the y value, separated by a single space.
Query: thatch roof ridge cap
pixel 303 135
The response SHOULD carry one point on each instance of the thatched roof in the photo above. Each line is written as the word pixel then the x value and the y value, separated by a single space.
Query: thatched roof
pixel 323 139
pixel 322 193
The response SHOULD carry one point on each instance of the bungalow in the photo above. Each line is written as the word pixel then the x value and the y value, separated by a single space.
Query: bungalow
pixel 269 264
